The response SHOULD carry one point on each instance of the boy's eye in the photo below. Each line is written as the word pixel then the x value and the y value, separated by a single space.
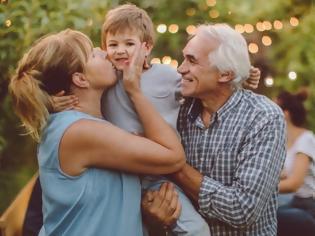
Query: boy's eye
pixel 112 45
pixel 130 44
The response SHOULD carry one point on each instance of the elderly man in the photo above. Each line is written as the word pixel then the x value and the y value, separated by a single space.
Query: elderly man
pixel 234 140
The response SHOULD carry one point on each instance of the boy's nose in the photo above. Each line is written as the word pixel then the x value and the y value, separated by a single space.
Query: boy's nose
pixel 121 50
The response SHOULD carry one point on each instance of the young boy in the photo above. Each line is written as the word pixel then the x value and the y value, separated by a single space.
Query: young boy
pixel 124 28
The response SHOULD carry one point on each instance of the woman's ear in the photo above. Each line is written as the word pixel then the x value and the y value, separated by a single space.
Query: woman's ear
pixel 226 77
pixel 80 80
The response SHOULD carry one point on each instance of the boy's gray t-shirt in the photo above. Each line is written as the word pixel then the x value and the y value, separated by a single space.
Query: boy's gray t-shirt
pixel 160 84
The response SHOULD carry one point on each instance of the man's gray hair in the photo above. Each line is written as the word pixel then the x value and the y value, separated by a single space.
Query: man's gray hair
pixel 231 53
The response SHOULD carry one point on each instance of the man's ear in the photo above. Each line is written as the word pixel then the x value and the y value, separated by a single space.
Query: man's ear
pixel 226 77
pixel 80 80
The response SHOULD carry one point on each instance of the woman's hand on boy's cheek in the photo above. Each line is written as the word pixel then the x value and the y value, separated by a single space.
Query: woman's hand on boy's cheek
pixel 62 103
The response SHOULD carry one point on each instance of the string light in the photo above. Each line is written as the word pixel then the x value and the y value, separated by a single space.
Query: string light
pixel 174 63
pixel 173 28
pixel 266 40
pixel 269 81
pixel 294 21
pixel 239 28
pixel 292 75
pixel 267 25
pixel 155 61
pixel 166 60
pixel 214 13
pixel 190 11
pixel 277 24
pixel 8 23
pixel 253 48
pixel 248 28
pixel 211 3
pixel 161 28
pixel 191 29
pixel 260 26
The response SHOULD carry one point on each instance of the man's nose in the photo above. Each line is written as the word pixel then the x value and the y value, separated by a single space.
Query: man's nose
pixel 181 69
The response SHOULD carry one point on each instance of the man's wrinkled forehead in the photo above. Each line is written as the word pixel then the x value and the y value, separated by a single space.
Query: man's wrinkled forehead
pixel 200 43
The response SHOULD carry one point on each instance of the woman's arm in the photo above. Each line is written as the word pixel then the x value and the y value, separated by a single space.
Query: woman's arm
pixel 295 180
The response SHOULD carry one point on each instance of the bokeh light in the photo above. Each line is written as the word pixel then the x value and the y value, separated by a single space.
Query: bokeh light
pixel 269 81
pixel 292 75
pixel 294 21
pixel 166 60
pixel 155 61
pixel 277 24
pixel 214 13
pixel 191 29
pixel 266 40
pixel 161 28
pixel 253 48
pixel 173 28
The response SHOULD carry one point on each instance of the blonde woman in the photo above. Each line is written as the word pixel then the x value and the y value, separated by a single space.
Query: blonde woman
pixel 85 163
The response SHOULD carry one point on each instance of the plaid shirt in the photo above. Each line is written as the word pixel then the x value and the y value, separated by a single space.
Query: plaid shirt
pixel 240 155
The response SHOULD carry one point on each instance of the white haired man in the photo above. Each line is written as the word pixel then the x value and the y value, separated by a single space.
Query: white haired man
pixel 234 140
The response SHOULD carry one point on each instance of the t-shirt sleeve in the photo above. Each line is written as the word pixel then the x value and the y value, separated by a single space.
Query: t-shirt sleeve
pixel 306 146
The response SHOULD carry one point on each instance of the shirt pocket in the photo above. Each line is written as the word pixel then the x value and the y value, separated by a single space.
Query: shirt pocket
pixel 225 165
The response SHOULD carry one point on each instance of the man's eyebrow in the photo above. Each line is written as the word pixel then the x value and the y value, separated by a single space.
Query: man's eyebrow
pixel 191 57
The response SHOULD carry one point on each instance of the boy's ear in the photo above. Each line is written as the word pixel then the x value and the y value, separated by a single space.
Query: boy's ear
pixel 149 47
pixel 80 80
pixel 226 77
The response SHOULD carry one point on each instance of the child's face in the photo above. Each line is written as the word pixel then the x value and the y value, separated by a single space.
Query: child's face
pixel 121 47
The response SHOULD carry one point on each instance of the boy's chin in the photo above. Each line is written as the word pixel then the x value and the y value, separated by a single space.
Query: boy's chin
pixel 118 67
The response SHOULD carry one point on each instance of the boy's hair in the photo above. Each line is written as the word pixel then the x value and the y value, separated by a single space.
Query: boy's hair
pixel 128 17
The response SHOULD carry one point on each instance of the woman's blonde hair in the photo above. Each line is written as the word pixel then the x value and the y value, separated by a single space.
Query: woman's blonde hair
pixel 45 70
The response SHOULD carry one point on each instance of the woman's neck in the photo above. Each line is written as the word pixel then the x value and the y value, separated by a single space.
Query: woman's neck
pixel 90 103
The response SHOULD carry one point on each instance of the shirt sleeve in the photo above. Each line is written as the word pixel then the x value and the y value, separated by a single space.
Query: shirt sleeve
pixel 306 145
pixel 255 179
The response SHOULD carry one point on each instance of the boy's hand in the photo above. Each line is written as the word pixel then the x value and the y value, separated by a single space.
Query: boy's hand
pixel 132 71
pixel 62 103
pixel 253 80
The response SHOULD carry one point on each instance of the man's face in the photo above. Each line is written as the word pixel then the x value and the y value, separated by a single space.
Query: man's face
pixel 199 78
pixel 121 46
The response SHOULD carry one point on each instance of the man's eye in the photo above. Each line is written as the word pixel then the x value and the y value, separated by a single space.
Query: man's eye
pixel 192 61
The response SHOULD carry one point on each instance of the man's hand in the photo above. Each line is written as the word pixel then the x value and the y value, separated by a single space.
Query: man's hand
pixel 161 208
pixel 253 80
pixel 62 103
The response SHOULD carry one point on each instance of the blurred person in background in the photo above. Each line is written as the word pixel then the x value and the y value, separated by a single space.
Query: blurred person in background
pixel 296 214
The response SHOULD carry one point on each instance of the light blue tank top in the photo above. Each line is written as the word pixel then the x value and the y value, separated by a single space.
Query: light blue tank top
pixel 97 202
